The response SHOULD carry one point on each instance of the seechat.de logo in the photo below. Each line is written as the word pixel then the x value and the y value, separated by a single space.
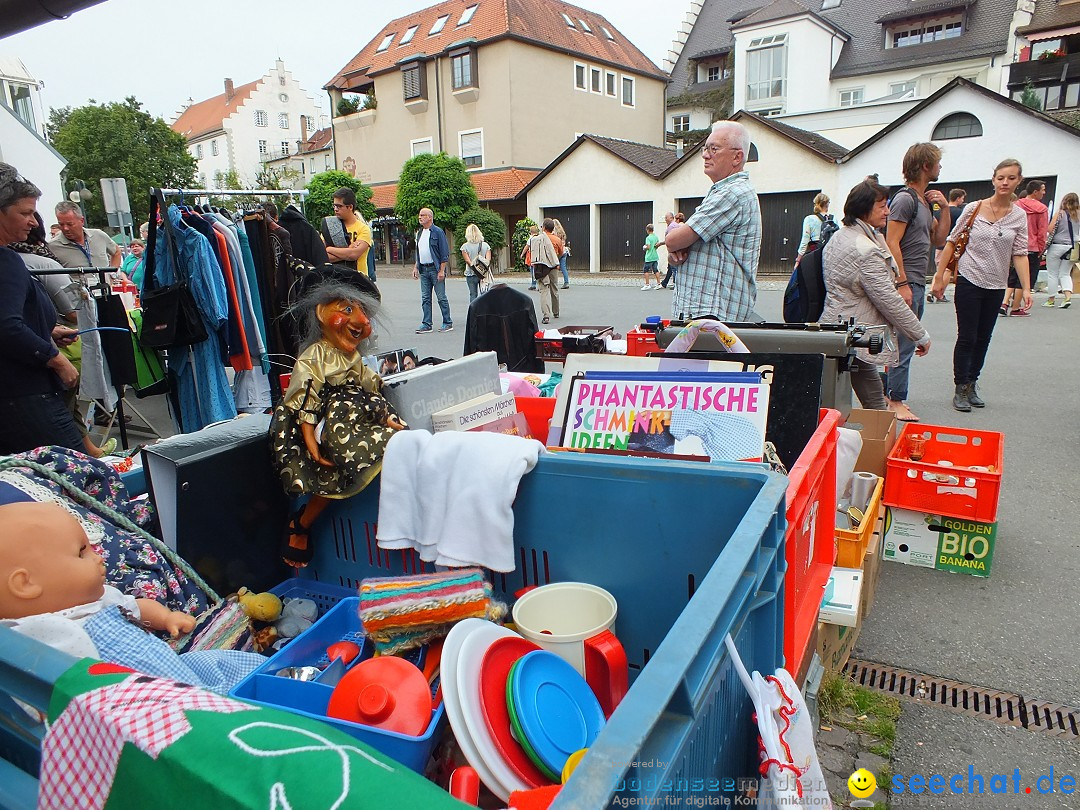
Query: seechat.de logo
pixel 862 785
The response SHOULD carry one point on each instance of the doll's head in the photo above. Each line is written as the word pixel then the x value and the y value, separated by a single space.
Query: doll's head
pixel 337 312
pixel 46 562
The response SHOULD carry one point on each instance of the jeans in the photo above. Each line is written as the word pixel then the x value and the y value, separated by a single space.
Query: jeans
pixel 474 287
pixel 37 420
pixel 672 271
pixel 429 280
pixel 976 316
pixel 896 380
pixel 562 266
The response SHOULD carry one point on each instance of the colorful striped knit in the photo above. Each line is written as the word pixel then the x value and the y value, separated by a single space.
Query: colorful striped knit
pixel 400 613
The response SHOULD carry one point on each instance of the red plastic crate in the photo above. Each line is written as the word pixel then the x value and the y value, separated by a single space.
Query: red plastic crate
pixel 538 412
pixel 639 342
pixel 967 487
pixel 811 504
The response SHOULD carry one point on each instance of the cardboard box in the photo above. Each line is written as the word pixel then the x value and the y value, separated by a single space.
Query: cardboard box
pixel 843 597
pixel 872 569
pixel 474 412
pixel 420 392
pixel 835 644
pixel 935 541
pixel 878 429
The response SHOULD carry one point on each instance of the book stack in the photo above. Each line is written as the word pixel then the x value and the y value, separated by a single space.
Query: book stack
pixel 474 413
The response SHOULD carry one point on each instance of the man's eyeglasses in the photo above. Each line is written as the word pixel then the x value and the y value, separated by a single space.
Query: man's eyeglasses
pixel 712 150
pixel 339 205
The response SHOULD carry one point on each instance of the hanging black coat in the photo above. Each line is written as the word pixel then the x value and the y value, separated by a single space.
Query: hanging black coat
pixel 306 242
pixel 503 320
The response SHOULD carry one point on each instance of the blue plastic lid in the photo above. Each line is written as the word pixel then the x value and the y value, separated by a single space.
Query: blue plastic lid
pixel 558 712
pixel 653 319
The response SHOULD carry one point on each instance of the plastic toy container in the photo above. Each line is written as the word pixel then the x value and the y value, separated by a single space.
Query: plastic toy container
pixel 310 698
pixel 323 594
pixel 851 544
pixel 959 474
pixel 538 411
pixel 811 502
pixel 690 552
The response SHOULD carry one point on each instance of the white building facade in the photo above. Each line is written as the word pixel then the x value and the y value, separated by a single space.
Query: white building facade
pixel 22 133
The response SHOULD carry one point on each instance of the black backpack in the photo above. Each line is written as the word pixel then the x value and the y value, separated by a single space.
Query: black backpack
pixel 804 297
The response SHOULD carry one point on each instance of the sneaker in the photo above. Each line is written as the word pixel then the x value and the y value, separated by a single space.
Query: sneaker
pixel 1049 303
pixel 646 287
pixel 446 328
pixel 566 286
pixel 1003 311
pixel 423 330
pixel 1066 303
pixel 1019 313
pixel 108 448
pixel 654 286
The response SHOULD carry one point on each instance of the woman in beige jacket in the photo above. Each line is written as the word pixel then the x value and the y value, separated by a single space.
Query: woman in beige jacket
pixel 861 283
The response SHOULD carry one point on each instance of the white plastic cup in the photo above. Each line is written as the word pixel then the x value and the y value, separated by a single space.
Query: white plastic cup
pixel 562 616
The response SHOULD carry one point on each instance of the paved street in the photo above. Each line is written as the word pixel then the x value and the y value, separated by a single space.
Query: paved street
pixel 1016 631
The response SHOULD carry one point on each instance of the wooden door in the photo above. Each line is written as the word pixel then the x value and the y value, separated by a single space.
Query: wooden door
pixel 575 221
pixel 622 233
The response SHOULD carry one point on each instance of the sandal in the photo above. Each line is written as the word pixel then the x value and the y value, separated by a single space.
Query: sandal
pixel 293 555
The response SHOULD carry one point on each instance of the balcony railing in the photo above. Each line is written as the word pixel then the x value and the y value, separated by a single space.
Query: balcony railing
pixel 1044 70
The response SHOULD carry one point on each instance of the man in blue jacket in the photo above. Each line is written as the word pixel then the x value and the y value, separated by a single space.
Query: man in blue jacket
pixel 432 257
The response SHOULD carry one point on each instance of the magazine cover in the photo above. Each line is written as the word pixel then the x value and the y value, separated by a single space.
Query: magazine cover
pixel 719 415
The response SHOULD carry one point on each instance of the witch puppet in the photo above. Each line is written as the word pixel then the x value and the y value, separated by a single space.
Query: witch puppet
pixel 330 430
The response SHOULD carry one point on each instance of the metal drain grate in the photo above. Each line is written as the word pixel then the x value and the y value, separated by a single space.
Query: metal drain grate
pixel 1007 708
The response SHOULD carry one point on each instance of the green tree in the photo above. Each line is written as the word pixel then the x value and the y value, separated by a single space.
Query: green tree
pixel 490 224
pixel 517 243
pixel 320 199
pixel 120 140
pixel 438 182
pixel 1029 98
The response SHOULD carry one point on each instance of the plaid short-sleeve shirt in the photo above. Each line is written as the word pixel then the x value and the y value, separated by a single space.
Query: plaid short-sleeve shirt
pixel 718 277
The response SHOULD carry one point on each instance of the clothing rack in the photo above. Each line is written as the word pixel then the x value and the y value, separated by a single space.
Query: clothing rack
pixel 254 192
pixel 102 284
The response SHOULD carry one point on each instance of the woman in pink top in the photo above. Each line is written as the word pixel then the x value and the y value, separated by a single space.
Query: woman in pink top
pixel 998 236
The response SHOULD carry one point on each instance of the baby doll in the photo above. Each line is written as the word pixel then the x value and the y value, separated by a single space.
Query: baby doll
pixel 331 428
pixel 52 588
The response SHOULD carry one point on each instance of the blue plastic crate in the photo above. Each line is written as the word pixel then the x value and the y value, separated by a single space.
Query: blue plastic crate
pixel 691 552
pixel 310 698
pixel 324 594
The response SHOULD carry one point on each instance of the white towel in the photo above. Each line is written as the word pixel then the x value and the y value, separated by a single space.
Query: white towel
pixel 399 512
pixel 460 489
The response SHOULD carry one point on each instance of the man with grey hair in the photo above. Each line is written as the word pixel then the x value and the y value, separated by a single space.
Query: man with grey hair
pixel 718 248
pixel 79 246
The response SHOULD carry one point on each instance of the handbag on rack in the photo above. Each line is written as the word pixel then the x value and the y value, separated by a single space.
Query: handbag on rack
pixel 959 246
pixel 170 316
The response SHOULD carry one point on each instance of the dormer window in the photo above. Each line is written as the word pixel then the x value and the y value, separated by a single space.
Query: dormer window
pixel 569 22
pixel 466 15
pixel 385 43
pixel 919 32
pixel 438 25
pixel 409 34
pixel 584 26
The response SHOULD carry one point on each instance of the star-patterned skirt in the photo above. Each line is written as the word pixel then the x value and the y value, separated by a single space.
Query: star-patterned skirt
pixel 354 437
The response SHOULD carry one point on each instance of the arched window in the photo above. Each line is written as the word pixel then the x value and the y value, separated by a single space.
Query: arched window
pixel 957 125
pixel 752 155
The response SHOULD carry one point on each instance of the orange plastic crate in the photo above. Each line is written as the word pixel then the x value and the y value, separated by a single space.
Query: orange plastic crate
pixel 538 411
pixel 851 544
pixel 967 486
pixel 808 542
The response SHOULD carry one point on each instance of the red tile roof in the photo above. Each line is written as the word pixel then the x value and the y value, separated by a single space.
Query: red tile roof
pixel 539 22
pixel 495 186
pixel 319 140
pixel 207 116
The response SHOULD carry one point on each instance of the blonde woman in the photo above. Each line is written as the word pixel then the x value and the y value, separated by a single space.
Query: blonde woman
pixel 561 233
pixel 477 255
pixel 997 235
pixel 811 225
pixel 1064 231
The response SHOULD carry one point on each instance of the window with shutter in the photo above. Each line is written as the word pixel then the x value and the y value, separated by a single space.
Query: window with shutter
pixel 472 148
pixel 412 82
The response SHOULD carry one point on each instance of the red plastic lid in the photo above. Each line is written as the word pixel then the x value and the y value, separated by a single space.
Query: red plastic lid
pixel 384 692
pixel 494 671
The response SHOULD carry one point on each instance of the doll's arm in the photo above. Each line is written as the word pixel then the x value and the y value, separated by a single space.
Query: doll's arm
pixel 158 617
pixel 308 431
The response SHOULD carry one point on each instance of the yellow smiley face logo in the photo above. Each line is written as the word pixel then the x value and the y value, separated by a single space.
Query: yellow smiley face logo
pixel 862 783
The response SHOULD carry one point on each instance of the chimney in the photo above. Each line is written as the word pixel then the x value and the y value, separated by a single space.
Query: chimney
pixel 303 129
pixel 229 91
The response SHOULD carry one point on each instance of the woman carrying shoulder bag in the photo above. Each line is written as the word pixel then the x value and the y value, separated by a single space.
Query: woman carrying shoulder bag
pixel 996 233
pixel 1064 230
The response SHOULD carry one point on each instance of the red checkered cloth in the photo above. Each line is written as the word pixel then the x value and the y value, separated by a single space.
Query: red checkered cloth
pixel 81 750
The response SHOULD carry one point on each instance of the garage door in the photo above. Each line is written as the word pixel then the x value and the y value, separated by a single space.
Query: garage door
pixel 622 233
pixel 575 221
